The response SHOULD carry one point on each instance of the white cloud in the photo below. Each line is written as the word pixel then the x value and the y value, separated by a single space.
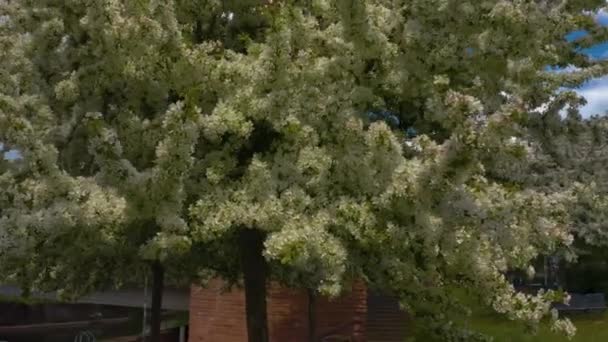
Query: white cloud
pixel 596 94
pixel 602 17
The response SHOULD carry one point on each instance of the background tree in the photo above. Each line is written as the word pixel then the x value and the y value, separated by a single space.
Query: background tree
pixel 568 155
pixel 234 137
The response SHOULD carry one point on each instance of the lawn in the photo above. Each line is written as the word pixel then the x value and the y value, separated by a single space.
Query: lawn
pixel 591 327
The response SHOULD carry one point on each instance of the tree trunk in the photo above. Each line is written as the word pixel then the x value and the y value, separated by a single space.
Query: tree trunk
pixel 158 275
pixel 311 316
pixel 254 275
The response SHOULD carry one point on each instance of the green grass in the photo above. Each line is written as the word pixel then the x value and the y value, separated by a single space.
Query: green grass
pixel 591 327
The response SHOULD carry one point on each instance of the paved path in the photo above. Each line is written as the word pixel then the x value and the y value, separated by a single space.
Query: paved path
pixel 173 299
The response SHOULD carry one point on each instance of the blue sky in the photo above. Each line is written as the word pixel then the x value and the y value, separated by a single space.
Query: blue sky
pixel 9 155
pixel 12 154
pixel 596 90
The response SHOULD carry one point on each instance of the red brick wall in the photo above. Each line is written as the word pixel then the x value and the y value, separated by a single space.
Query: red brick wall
pixel 350 308
pixel 287 314
pixel 217 316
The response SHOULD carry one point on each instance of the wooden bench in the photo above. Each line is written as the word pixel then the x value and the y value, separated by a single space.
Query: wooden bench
pixel 592 302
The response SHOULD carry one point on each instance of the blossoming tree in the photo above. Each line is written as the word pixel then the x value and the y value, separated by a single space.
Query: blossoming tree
pixel 308 142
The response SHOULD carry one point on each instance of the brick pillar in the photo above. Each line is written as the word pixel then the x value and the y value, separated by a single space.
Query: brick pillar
pixel 217 316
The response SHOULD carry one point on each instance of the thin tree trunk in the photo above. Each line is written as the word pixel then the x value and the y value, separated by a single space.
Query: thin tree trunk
pixel 158 276
pixel 254 274
pixel 311 316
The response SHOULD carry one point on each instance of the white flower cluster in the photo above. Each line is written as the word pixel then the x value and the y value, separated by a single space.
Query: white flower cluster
pixel 159 130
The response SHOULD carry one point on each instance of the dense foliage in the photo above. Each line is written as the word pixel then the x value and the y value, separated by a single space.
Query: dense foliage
pixel 570 158
pixel 377 139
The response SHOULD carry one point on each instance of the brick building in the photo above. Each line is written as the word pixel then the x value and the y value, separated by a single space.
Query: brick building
pixel 357 316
